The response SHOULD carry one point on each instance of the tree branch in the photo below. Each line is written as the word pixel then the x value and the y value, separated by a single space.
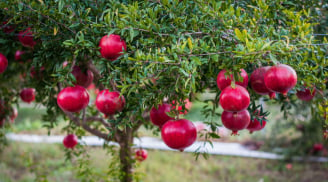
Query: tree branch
pixel 93 131
pixel 99 119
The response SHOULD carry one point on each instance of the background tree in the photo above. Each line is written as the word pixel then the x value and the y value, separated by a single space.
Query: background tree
pixel 174 49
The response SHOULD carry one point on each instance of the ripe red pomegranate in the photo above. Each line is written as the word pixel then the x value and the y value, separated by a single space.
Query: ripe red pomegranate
pixel 317 147
pixel 179 134
pixel 187 106
pixel 110 103
pixel 18 55
pixel 306 94
pixel 255 125
pixel 111 46
pixel 26 38
pixel 3 63
pixel 234 99
pixel 257 82
pixel 73 99
pixel 28 95
pixel 13 115
pixel 158 116
pixel 70 141
pixel 83 77
pixel 141 154
pixel 7 28
pixel 224 81
pixel 235 121
pixel 280 78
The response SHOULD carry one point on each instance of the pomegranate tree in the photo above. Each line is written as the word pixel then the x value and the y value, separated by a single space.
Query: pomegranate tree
pixel 223 80
pixel 162 57
pixel 234 98
pixel 73 99
pixel 280 78
pixel 112 46
pixel 70 141
pixel 28 95
pixel 159 116
pixel 235 121
pixel 179 134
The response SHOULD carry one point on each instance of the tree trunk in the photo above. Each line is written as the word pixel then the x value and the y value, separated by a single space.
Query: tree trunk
pixel 126 141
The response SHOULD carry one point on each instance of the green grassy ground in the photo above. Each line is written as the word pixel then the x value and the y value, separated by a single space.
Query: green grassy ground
pixel 22 162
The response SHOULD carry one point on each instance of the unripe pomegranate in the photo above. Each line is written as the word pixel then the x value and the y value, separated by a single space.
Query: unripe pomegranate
pixel 306 94
pixel 280 78
pixel 234 99
pixel 18 55
pixel 187 106
pixel 83 78
pixel 70 141
pixel 112 46
pixel 26 38
pixel 73 99
pixel 158 116
pixel 223 81
pixel 179 134
pixel 110 103
pixel 255 125
pixel 3 63
pixel 235 121
pixel 141 154
pixel 257 82
pixel 27 95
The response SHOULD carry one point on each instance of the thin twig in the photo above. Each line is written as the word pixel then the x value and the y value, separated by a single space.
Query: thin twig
pixel 58 23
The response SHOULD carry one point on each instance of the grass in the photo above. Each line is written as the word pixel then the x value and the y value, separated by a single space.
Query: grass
pixel 21 162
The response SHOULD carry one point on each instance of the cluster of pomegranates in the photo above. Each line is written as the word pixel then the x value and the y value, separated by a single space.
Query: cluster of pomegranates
pixel 177 134
pixel 76 98
pixel 267 80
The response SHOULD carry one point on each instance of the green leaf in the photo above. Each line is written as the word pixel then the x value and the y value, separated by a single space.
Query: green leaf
pixel 239 35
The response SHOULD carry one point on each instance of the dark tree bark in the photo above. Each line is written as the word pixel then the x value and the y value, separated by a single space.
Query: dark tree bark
pixel 126 142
